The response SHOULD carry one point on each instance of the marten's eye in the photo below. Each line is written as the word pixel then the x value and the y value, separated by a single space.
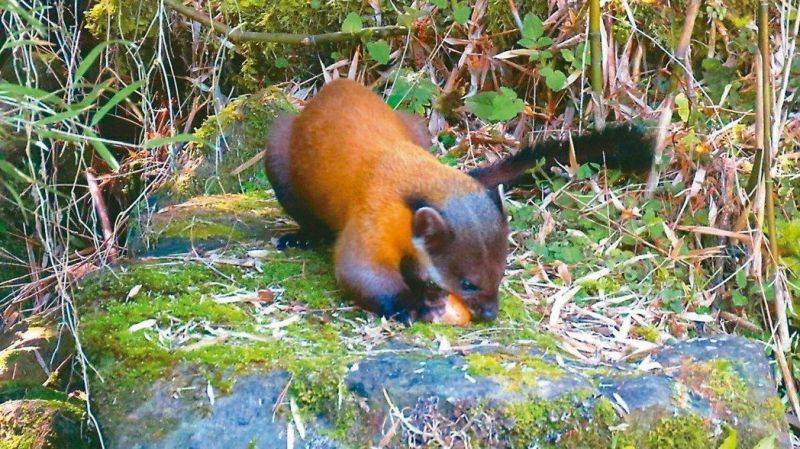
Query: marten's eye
pixel 468 286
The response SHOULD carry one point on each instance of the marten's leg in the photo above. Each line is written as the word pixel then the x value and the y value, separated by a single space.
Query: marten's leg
pixel 378 283
pixel 369 279
pixel 312 230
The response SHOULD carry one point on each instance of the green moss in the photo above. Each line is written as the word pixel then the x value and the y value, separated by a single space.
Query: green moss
pixel 42 424
pixel 119 18
pixel 11 390
pixel 679 432
pixel 570 421
pixel 201 230
pixel 231 138
pixel 177 295
pixel 720 383
pixel 648 333
pixel 517 371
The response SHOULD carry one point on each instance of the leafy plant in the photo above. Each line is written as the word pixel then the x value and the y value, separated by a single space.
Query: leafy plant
pixel 352 23
pixel 412 92
pixel 496 106
pixel 533 39
pixel 379 51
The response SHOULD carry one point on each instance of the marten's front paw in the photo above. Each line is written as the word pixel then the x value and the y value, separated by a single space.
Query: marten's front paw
pixel 292 240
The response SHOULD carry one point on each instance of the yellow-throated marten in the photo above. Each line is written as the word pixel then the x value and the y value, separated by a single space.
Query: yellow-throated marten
pixel 408 229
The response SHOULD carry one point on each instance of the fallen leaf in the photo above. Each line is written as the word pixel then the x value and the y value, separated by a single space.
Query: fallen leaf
pixel 146 324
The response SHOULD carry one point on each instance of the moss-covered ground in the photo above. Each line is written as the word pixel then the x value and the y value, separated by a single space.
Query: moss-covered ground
pixel 143 320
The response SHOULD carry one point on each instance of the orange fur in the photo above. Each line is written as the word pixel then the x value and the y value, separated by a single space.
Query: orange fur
pixel 354 162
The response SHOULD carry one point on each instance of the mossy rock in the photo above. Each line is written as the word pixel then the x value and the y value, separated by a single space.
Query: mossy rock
pixel 32 351
pixel 231 138
pixel 226 342
pixel 42 424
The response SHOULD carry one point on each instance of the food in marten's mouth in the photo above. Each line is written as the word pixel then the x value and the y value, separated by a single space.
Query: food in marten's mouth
pixel 455 312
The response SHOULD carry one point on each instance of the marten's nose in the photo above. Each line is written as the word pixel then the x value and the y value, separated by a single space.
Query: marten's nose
pixel 489 312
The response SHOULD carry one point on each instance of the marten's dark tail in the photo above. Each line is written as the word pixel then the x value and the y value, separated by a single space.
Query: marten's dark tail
pixel 623 147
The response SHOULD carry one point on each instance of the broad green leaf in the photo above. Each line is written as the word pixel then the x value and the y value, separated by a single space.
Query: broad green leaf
pixel 683 106
pixel 584 172
pixel 496 106
pixel 731 441
pixel 532 27
pixel 506 105
pixel 556 80
pixel 90 58
pixel 412 94
pixel 441 4
pixel 116 99
pixel 461 13
pixel 544 41
pixel 409 16
pixel 741 279
pixel 281 62
pixel 738 299
pixel 481 104
pixel 379 51
pixel 567 55
pixel 352 23
pixel 766 443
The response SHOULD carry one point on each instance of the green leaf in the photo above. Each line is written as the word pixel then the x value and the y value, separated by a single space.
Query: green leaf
pixel 90 58
pixel 567 55
pixel 683 106
pixel 739 300
pixel 102 149
pixel 496 106
pixel 741 279
pixel 19 91
pixel 731 441
pixel 766 443
pixel 315 4
pixel 352 23
pixel 461 13
pixel 544 41
pixel 281 62
pixel 506 105
pixel 17 199
pixel 584 172
pixel 409 16
pixel 532 27
pixel 379 51
pixel 115 100
pixel 12 171
pixel 441 4
pixel 481 104
pixel 556 80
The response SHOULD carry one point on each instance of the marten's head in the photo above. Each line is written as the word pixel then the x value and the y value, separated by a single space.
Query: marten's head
pixel 462 246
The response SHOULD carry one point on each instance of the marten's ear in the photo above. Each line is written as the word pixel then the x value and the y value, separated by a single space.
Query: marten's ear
pixel 430 226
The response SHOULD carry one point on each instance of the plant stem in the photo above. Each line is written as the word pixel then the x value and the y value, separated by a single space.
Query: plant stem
pixel 681 54
pixel 235 35
pixel 595 48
